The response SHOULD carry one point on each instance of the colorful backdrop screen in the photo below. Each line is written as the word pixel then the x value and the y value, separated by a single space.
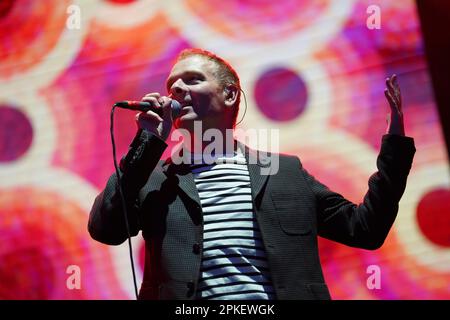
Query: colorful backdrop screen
pixel 314 70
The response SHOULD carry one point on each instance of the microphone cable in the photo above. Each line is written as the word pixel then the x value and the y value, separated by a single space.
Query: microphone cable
pixel 245 110
pixel 122 198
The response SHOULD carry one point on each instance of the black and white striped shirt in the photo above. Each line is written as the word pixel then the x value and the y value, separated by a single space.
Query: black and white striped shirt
pixel 234 263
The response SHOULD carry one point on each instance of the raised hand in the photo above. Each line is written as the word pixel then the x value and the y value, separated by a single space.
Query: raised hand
pixel 394 97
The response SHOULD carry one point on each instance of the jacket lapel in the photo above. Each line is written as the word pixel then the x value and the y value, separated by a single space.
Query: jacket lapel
pixel 184 178
pixel 258 167
pixel 256 179
pixel 259 164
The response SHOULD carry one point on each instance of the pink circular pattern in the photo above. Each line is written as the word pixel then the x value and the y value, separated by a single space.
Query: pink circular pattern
pixel 433 216
pixel 281 94
pixel 16 133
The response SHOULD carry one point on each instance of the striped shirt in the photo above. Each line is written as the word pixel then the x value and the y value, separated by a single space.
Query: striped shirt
pixel 234 263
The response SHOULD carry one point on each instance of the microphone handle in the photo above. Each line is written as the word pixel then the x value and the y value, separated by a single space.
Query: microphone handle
pixel 146 106
pixel 139 106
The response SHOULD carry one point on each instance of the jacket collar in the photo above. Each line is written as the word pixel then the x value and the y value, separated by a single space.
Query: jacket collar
pixel 259 165
pixel 260 158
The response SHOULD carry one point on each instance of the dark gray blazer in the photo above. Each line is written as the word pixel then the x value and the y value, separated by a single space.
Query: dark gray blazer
pixel 291 206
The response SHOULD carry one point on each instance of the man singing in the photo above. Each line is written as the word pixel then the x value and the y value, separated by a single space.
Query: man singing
pixel 222 229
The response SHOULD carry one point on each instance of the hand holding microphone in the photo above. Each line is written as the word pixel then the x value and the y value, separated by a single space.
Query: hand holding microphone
pixel 157 113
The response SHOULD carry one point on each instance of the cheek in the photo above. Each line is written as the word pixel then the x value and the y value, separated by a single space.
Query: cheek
pixel 205 100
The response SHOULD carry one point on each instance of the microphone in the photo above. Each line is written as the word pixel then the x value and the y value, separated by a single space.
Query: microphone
pixel 175 106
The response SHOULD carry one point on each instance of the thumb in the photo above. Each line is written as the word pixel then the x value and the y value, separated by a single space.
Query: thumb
pixel 166 104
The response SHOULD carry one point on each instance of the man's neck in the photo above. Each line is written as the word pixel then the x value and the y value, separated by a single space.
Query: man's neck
pixel 221 143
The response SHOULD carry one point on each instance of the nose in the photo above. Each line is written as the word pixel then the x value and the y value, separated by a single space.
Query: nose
pixel 178 89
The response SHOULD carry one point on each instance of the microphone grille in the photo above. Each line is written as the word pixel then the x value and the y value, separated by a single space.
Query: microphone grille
pixel 176 108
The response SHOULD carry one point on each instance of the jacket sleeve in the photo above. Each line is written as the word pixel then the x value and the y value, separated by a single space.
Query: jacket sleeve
pixel 106 219
pixel 367 225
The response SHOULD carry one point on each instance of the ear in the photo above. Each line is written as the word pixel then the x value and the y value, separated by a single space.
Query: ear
pixel 230 95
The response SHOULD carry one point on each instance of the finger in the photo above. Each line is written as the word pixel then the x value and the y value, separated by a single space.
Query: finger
pixel 150 116
pixel 398 98
pixel 153 116
pixel 393 104
pixel 393 82
pixel 165 101
pixel 151 99
pixel 153 94
pixel 388 82
pixel 390 88
pixel 166 105
pixel 397 95
pixel 394 78
pixel 398 92
pixel 388 96
pixel 393 91
pixel 395 85
pixel 390 99
pixel 136 118
pixel 154 101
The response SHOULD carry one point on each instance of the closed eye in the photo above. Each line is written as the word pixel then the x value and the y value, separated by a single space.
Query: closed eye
pixel 193 79
pixel 188 78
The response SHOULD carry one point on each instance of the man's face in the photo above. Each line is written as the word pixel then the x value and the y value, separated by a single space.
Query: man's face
pixel 193 82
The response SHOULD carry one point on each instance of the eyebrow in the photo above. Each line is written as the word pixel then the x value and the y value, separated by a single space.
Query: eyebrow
pixel 172 79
